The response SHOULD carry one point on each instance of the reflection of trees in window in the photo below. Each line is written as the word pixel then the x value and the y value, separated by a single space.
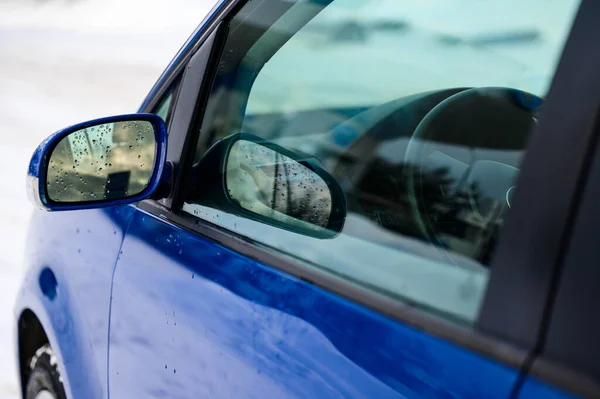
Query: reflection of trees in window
pixel 300 193
pixel 383 195
pixel 447 212
pixel 263 180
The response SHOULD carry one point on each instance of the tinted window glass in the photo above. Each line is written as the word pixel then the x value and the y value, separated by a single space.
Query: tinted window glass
pixel 165 106
pixel 420 111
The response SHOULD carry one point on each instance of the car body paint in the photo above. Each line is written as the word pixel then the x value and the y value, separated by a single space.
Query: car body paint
pixel 191 318
pixel 533 389
pixel 79 249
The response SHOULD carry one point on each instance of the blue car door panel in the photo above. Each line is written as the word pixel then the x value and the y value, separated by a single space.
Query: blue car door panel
pixel 191 318
pixel 72 268
pixel 533 388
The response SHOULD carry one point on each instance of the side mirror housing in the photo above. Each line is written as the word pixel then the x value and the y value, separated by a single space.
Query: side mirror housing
pixel 104 162
pixel 249 176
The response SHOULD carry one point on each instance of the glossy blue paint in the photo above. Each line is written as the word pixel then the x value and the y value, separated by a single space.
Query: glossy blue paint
pixel 48 283
pixel 38 166
pixel 70 259
pixel 192 319
pixel 535 389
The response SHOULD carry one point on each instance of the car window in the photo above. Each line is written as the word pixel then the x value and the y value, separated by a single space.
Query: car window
pixel 164 107
pixel 418 110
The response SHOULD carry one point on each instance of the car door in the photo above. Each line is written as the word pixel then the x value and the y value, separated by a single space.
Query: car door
pixel 206 303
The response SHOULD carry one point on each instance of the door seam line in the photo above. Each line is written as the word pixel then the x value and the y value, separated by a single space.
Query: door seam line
pixel 112 279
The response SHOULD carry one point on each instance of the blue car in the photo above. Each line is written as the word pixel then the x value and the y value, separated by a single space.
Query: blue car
pixel 299 212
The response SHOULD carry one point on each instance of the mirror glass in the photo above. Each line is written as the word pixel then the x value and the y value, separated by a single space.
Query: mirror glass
pixel 273 185
pixel 103 162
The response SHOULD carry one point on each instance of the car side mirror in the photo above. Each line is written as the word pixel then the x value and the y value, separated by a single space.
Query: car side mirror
pixel 252 177
pixel 103 162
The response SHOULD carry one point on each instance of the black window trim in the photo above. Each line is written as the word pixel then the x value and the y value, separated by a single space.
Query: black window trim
pixel 511 344
pixel 573 107
pixel 568 346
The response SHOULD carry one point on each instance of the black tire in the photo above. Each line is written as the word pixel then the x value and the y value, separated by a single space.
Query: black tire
pixel 44 376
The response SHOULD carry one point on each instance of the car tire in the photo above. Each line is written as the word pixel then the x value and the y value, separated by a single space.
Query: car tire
pixel 44 379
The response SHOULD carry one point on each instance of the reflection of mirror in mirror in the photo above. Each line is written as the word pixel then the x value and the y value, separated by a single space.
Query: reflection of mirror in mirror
pixel 108 161
pixel 268 183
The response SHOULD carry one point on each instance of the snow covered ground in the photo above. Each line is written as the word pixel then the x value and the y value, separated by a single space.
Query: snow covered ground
pixel 63 62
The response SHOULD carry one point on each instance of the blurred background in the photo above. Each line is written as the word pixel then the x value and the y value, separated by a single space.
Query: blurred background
pixel 63 62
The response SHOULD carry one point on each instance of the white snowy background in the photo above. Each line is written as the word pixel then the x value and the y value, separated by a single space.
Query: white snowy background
pixel 62 62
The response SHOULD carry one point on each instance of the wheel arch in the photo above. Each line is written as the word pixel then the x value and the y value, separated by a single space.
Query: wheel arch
pixel 31 336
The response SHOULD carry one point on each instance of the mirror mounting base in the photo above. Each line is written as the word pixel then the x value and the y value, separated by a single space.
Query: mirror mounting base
pixel 165 186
